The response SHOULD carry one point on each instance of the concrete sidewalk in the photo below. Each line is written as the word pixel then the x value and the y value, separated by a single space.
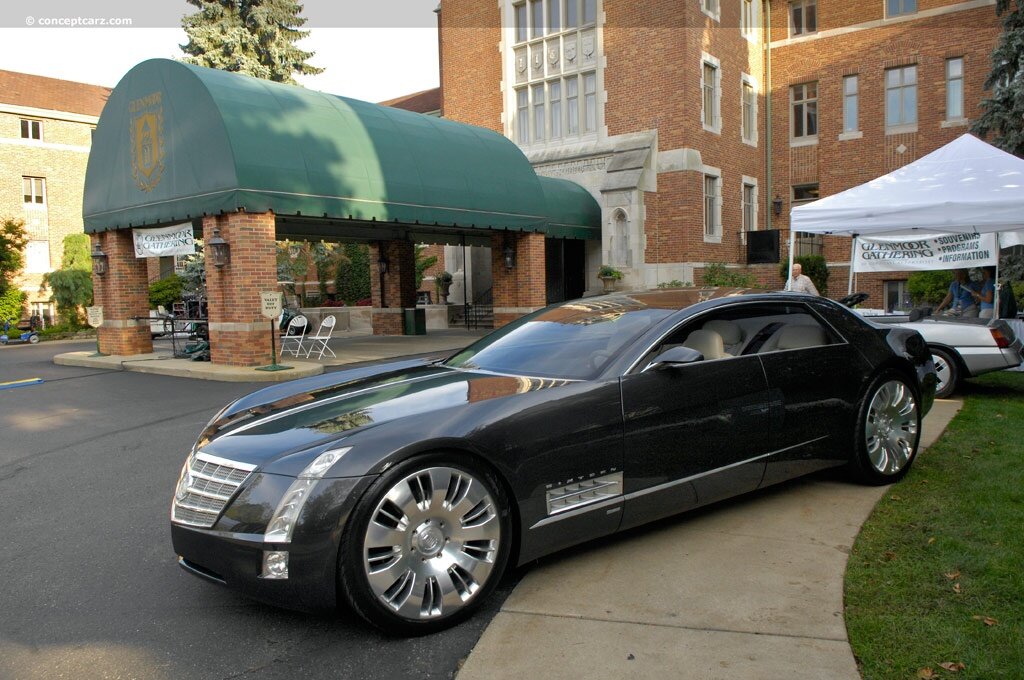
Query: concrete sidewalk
pixel 750 588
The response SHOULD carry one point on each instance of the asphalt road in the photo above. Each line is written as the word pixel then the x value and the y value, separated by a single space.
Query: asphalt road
pixel 90 585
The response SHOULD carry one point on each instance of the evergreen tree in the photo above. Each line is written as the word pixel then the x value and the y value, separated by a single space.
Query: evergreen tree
pixel 1003 115
pixel 254 37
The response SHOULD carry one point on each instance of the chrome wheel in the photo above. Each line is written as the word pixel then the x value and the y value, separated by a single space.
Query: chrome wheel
pixel 431 543
pixel 890 428
pixel 946 371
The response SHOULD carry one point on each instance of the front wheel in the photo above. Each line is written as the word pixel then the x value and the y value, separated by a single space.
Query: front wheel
pixel 888 431
pixel 33 339
pixel 425 546
pixel 947 370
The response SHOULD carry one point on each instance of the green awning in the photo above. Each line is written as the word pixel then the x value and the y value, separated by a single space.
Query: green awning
pixel 176 142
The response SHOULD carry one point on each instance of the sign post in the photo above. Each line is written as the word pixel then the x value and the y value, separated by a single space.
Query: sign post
pixel 94 317
pixel 270 307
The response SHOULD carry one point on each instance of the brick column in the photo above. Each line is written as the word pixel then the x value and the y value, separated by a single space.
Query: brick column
pixel 399 291
pixel 523 288
pixel 239 335
pixel 124 293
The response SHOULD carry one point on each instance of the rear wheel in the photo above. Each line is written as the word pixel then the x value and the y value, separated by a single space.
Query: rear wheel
pixel 888 431
pixel 426 545
pixel 947 370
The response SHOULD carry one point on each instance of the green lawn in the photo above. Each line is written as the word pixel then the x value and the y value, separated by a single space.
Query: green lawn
pixel 937 573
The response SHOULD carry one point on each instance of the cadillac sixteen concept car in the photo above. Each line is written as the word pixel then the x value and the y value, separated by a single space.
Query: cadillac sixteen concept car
pixel 405 489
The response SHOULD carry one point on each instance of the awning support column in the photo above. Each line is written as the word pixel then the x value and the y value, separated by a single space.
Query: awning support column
pixel 123 292
pixel 521 288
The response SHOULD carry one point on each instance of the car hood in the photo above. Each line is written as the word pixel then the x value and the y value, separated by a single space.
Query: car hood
pixel 275 422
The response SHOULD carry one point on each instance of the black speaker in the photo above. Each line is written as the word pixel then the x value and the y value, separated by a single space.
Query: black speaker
pixel 763 246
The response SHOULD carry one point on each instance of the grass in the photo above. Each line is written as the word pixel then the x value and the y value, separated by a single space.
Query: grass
pixel 937 573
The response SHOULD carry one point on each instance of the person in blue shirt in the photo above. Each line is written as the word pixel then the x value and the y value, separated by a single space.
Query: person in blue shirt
pixel 986 293
pixel 960 297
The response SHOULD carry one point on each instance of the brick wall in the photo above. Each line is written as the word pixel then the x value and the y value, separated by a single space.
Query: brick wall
pixel 471 64
pixel 522 289
pixel 399 285
pixel 123 294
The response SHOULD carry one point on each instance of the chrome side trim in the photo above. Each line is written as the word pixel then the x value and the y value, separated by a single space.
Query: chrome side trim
pixel 579 510
pixel 584 492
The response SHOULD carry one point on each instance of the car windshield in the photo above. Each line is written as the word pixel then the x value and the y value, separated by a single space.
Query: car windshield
pixel 575 340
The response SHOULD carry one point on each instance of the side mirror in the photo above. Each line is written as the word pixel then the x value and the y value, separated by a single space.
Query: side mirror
pixel 676 356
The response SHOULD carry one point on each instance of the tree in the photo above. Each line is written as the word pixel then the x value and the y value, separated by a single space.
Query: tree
pixel 76 253
pixel 13 240
pixel 1003 115
pixel 72 283
pixel 253 37
pixel 352 282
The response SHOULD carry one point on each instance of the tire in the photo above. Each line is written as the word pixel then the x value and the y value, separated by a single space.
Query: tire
pixel 33 339
pixel 888 430
pixel 947 369
pixel 426 545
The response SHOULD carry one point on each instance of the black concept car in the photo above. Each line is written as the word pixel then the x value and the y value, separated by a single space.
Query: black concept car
pixel 405 489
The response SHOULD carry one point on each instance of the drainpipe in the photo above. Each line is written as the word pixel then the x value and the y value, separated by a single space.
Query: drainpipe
pixel 768 111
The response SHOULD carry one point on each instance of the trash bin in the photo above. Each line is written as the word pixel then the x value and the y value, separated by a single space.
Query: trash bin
pixel 415 321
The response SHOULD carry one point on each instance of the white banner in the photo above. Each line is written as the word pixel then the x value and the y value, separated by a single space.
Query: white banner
pixel 176 240
pixel 925 252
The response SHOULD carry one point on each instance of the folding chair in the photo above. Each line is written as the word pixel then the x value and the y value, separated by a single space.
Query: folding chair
pixel 322 336
pixel 294 334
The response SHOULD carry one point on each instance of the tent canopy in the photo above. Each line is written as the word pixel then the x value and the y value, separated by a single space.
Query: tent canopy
pixel 176 142
pixel 965 186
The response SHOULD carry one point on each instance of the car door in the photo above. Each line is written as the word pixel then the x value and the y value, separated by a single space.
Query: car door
pixel 694 433
pixel 814 379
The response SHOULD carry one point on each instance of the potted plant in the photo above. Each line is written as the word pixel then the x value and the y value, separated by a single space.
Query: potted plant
pixel 443 281
pixel 609 275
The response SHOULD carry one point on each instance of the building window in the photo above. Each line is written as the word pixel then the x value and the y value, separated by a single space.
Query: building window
pixel 589 11
pixel 895 8
pixel 807 244
pixel 31 129
pixel 34 190
pixel 520 14
pixel 554 15
pixel 37 257
pixel 555 96
pixel 710 7
pixel 803 17
pixel 536 18
pixel 749 18
pixel 897 297
pixel 803 112
pixel 538 111
pixel 748 106
pixel 850 104
pixel 572 100
pixel 590 102
pixel 712 207
pixel 522 116
pixel 955 89
pixel 749 211
pixel 901 96
pixel 711 87
pixel 572 14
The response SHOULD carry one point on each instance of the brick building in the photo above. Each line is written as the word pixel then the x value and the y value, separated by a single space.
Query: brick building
pixel 46 128
pixel 696 123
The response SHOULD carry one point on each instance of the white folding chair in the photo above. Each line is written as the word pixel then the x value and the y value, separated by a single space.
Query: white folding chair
pixel 294 334
pixel 319 340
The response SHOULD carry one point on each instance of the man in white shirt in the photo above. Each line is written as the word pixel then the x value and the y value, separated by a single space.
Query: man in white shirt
pixel 798 283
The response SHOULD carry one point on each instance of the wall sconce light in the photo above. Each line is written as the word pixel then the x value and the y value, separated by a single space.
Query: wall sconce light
pixel 777 205
pixel 220 251
pixel 382 264
pixel 99 260
pixel 510 255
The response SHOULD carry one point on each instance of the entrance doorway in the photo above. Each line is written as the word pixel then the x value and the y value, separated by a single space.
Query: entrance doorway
pixel 566 266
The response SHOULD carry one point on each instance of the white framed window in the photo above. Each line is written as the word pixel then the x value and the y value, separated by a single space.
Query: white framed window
pixel 711 8
pixel 897 297
pixel 955 89
pixel 901 97
pixel 33 190
pixel 750 19
pixel 851 104
pixel 807 243
pixel 803 17
pixel 803 113
pixel 37 257
pixel 553 71
pixel 712 207
pixel 748 205
pixel 748 109
pixel 31 129
pixel 895 8
pixel 711 93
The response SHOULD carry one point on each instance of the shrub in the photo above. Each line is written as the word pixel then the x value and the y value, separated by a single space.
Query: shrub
pixel 352 280
pixel 929 287
pixel 608 271
pixel 72 290
pixel 717 274
pixel 13 239
pixel 12 305
pixel 814 267
pixel 165 292
pixel 674 283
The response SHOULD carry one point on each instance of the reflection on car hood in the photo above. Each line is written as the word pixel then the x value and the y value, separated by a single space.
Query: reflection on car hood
pixel 296 420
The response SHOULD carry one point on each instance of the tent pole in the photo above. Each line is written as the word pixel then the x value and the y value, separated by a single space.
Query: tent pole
pixel 995 282
pixel 853 256
pixel 792 243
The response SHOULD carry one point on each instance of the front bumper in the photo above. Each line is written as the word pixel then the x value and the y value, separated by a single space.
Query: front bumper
pixel 223 554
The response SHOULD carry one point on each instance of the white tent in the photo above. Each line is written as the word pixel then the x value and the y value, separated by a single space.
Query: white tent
pixel 967 186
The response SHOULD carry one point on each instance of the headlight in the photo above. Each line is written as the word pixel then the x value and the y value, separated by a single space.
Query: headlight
pixel 282 524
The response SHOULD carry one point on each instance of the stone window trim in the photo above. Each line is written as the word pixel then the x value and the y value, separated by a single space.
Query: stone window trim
pixel 750 136
pixel 534 19
pixel 851 105
pixel 32 129
pixel 712 8
pixel 750 19
pixel 748 209
pixel 803 99
pixel 712 224
pixel 712 92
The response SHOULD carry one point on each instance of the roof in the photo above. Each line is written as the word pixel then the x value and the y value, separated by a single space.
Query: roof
pixel 40 92
pixel 426 101
pixel 177 142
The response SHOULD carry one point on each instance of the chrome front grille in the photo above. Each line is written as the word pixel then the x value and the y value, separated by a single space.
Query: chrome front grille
pixel 204 488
